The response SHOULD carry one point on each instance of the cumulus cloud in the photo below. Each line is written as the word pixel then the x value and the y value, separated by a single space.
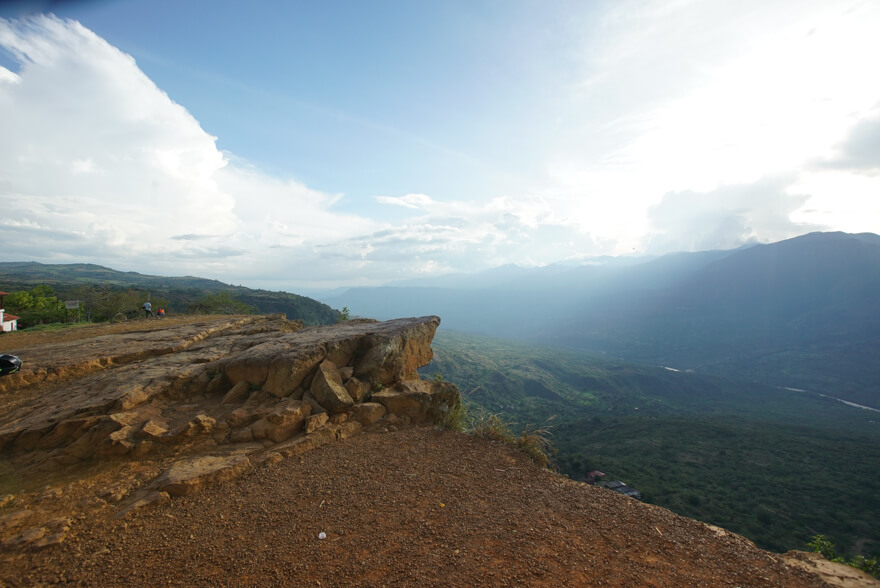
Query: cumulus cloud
pixel 98 163
pixel 470 236
pixel 860 151
pixel 696 96
pixel 94 149
pixel 727 217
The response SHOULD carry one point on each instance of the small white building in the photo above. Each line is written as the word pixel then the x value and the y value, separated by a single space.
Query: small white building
pixel 8 322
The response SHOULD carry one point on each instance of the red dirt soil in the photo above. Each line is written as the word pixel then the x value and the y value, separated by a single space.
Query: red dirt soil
pixel 419 506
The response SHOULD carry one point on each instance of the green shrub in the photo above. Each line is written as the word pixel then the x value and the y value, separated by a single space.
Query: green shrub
pixel 455 419
pixel 870 565
pixel 822 545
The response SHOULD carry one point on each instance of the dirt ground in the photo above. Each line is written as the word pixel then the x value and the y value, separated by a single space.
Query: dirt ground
pixel 24 339
pixel 420 506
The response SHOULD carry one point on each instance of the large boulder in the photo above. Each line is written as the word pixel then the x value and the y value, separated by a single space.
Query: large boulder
pixel 277 366
pixel 327 388
pixel 368 412
pixel 395 350
pixel 220 385
pixel 420 400
pixel 190 475
pixel 380 353
pixel 356 389
pixel 283 423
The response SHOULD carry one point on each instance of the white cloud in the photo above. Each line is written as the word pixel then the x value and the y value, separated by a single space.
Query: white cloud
pixel 780 103
pixel 843 200
pixel 98 163
pixel 8 77
pixel 83 106
pixel 698 96
pixel 414 201
pixel 727 217
pixel 859 152
pixel 445 236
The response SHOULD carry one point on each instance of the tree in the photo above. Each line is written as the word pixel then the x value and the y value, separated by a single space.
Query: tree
pixel 35 307
pixel 220 303
pixel 104 303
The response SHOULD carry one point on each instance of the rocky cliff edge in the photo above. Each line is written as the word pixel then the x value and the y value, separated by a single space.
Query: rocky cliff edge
pixel 162 410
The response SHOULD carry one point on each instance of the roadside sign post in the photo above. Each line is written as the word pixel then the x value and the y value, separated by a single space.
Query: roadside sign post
pixel 70 305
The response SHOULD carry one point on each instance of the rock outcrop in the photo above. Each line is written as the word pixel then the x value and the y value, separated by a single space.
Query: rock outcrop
pixel 195 404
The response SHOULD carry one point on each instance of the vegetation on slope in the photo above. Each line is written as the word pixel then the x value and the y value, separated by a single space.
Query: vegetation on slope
pixel 775 465
pixel 798 313
pixel 535 442
pixel 105 293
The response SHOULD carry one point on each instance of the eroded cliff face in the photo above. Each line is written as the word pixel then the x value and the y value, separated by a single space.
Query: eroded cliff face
pixel 164 411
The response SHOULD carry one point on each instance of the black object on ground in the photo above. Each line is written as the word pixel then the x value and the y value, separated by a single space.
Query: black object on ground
pixel 9 364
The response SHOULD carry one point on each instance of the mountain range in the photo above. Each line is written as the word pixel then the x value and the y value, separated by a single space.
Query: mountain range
pixel 800 313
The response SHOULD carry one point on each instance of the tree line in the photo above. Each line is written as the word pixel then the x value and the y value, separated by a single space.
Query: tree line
pixel 41 304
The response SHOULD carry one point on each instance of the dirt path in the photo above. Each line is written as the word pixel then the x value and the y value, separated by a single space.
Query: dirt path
pixel 417 507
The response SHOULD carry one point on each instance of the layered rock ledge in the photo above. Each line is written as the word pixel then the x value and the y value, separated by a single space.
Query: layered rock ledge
pixel 161 412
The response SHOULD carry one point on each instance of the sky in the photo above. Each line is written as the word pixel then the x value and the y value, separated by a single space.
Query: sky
pixel 294 144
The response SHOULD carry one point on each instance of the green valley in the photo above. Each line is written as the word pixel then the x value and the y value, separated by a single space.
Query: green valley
pixel 775 465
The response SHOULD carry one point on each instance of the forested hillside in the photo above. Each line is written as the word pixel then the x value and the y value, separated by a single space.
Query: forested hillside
pixel 105 293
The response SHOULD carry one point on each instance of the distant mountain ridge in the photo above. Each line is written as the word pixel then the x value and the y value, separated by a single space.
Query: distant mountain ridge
pixel 179 291
pixel 800 312
pixel 72 273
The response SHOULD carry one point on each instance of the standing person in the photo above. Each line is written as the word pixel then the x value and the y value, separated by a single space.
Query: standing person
pixel 148 309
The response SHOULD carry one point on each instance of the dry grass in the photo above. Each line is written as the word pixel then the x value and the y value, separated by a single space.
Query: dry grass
pixel 489 425
pixel 533 441
pixel 456 419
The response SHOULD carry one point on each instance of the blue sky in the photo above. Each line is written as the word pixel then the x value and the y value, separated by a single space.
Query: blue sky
pixel 294 144
pixel 361 97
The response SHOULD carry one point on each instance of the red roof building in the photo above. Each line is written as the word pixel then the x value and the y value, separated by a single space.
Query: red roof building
pixel 8 322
